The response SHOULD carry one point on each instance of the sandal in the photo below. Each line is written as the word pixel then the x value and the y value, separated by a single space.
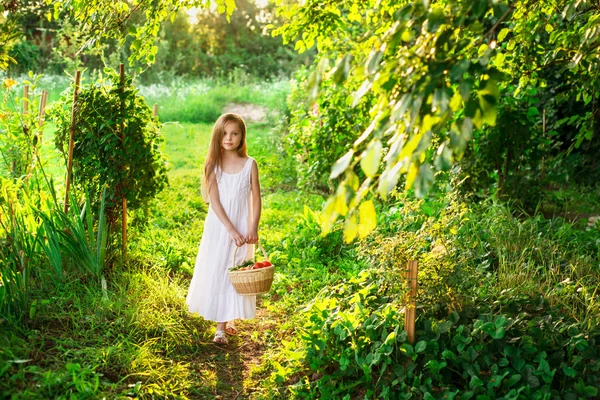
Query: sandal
pixel 230 329
pixel 220 338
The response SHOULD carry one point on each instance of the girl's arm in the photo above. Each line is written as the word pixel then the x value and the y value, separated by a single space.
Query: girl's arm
pixel 256 205
pixel 215 203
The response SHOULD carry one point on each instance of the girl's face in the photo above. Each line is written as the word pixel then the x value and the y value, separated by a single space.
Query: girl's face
pixel 232 136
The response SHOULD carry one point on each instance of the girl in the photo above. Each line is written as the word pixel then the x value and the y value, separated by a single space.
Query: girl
pixel 231 180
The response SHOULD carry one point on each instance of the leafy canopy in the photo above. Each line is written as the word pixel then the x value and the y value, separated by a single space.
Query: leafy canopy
pixel 436 69
pixel 105 19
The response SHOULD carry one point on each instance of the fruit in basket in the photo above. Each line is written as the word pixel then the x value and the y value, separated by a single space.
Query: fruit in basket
pixel 243 266
pixel 266 263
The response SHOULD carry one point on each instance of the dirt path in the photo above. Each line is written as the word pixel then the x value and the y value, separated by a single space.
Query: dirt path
pixel 250 112
pixel 234 362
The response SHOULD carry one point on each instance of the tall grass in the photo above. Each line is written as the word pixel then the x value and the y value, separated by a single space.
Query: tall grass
pixel 554 259
pixel 203 100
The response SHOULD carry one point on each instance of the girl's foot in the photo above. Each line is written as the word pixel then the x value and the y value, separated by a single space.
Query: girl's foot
pixel 230 329
pixel 220 337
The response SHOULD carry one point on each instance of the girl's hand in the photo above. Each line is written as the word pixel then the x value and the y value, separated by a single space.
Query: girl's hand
pixel 252 237
pixel 237 238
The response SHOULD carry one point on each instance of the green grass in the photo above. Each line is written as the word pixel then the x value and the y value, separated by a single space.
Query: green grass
pixel 136 339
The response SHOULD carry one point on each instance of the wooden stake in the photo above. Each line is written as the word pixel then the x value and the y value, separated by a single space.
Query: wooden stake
pixel 124 200
pixel 25 99
pixel 155 110
pixel 410 311
pixel 41 115
pixel 72 132
pixel 43 106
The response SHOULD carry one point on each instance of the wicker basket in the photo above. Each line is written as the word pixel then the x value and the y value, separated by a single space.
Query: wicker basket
pixel 252 281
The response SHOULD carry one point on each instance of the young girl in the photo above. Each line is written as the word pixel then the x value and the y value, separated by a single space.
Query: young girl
pixel 231 180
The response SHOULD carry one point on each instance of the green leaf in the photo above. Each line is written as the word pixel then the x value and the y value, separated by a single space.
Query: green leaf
pixel 373 62
pixel 482 49
pixel 502 34
pixel 407 349
pixel 368 218
pixel 590 391
pixel 532 112
pixel 342 69
pixel 549 28
pixel 475 382
pixel 435 20
pixel 443 160
pixel 457 72
pixel 441 98
pixel 499 333
pixel 364 88
pixel 513 379
pixel 389 179
pixel 351 228
pixel 340 166
pixel 423 180
pixel 230 7
pixel 570 372
pixel 371 158
pixel 420 346
pixel 32 309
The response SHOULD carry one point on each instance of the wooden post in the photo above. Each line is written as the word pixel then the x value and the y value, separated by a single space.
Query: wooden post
pixel 25 99
pixel 70 159
pixel 410 310
pixel 155 110
pixel 41 114
pixel 43 106
pixel 124 200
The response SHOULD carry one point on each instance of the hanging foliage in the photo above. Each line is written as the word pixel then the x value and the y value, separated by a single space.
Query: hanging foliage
pixel 436 69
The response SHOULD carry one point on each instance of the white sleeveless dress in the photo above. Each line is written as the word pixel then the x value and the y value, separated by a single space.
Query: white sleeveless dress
pixel 211 293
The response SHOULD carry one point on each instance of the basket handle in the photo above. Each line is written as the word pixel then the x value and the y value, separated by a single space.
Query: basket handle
pixel 259 246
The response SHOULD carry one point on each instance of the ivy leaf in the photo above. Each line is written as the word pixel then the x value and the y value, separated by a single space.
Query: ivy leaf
pixel 341 164
pixel 371 158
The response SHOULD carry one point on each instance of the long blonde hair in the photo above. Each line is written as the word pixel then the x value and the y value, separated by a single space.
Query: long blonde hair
pixel 215 151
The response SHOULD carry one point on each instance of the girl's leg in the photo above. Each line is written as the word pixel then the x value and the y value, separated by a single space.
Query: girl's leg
pixel 220 337
pixel 230 328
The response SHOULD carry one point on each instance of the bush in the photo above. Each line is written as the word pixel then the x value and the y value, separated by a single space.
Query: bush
pixel 116 143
